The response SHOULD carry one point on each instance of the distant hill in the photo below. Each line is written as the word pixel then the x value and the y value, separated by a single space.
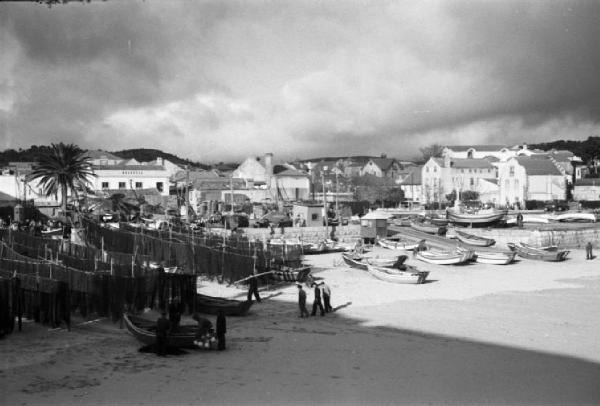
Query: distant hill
pixel 30 154
pixel 586 150
pixel 147 154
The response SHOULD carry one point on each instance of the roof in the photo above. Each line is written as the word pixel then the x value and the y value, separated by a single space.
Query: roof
pixel 218 184
pixel 120 167
pixel 471 163
pixel 491 158
pixel 375 214
pixel 99 154
pixel 407 179
pixel 536 166
pixel 290 172
pixel 476 147
pixel 383 163
pixel 437 160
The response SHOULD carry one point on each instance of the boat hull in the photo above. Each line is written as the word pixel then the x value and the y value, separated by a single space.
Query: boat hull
pixel 474 239
pixel 144 330
pixel 291 275
pixel 476 219
pixel 230 307
pixel 538 254
pixel 397 276
pixel 428 228
pixel 445 259
pixel 354 263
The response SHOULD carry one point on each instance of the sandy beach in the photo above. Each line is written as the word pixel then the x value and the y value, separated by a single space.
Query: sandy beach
pixel 526 333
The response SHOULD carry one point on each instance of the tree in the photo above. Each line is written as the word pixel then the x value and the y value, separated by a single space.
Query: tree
pixel 433 150
pixel 63 168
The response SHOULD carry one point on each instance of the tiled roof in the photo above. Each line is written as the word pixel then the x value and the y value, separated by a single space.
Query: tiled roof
pixel 535 166
pixel 407 179
pixel 383 163
pixel 128 167
pixel 471 163
pixel 458 148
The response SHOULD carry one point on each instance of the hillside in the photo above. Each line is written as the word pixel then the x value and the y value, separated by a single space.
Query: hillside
pixel 586 150
pixel 147 154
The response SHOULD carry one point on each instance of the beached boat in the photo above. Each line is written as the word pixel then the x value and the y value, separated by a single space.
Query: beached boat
pixel 288 274
pixel 428 228
pixel 213 304
pixel 529 219
pixel 538 254
pixel 393 275
pixel 354 261
pixel 385 262
pixel 145 331
pixel 474 239
pixel 323 247
pixel 480 218
pixel 446 258
pixel 575 217
pixel 396 245
pixel 495 258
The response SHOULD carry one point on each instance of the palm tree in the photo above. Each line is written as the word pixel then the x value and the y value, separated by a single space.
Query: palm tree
pixel 63 168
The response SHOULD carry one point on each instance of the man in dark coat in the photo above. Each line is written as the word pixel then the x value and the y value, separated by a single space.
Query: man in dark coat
pixel 302 302
pixel 588 251
pixel 326 297
pixel 317 302
pixel 253 290
pixel 221 330
pixel 162 331
pixel 520 220
pixel 174 315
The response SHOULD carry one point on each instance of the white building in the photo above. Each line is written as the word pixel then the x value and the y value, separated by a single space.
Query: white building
pixel 527 178
pixel 137 177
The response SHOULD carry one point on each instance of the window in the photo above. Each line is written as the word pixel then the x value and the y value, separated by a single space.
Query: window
pixel 122 185
pixel 462 171
pixel 512 171
pixel 472 182
pixel 427 169
pixel 435 168
pixel 138 185
pixel 159 186
pixel 314 217
pixel 104 185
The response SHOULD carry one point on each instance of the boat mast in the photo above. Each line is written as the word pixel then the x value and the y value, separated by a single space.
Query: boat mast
pixel 325 206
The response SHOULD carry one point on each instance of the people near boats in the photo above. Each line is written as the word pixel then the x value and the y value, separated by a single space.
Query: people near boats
pixel 253 290
pixel 317 303
pixel 399 264
pixel 359 247
pixel 174 314
pixel 588 251
pixel 205 335
pixel 326 297
pixel 221 330
pixel 162 334
pixel 520 220
pixel 420 247
pixel 302 301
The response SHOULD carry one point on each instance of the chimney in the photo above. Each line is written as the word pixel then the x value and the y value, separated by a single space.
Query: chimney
pixel 384 155
pixel 160 161
pixel 268 168
pixel 447 160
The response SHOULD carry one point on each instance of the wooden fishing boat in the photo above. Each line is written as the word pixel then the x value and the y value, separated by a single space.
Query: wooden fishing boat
pixel 481 218
pixel 445 258
pixel 495 258
pixel 538 254
pixel 428 228
pixel 529 219
pixel 474 239
pixel 354 261
pixel 397 276
pixel 323 247
pixel 145 331
pixel 396 245
pixel 575 217
pixel 213 304
pixel 544 248
pixel 289 274
pixel 385 262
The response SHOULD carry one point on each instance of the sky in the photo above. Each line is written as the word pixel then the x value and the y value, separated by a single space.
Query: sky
pixel 221 81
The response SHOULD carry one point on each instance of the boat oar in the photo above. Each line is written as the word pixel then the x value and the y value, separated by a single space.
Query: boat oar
pixel 252 276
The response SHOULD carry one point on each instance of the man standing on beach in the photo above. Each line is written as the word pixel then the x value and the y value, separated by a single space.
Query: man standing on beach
pixel 221 330
pixel 253 289
pixel 326 297
pixel 317 302
pixel 162 329
pixel 302 302
pixel 588 251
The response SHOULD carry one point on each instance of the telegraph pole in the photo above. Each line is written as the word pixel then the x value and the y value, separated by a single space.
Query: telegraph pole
pixel 325 206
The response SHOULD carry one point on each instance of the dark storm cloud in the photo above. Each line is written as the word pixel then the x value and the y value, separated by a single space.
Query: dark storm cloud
pixel 298 78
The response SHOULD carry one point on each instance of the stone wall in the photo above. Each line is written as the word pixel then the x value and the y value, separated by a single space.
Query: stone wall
pixel 345 234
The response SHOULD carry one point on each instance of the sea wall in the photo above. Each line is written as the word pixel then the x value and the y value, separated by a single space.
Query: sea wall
pixel 574 238
pixel 346 234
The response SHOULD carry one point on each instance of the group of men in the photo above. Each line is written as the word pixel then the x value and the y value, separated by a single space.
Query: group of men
pixel 322 299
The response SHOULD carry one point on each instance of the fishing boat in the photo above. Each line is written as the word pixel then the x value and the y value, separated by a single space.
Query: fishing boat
pixel 323 247
pixel 480 218
pixel 354 261
pixel 495 258
pixel 397 276
pixel 575 217
pixel 529 219
pixel 289 274
pixel 538 254
pixel 446 258
pixel 474 239
pixel 396 245
pixel 428 228
pixel 385 262
pixel 145 331
pixel 544 248
pixel 213 304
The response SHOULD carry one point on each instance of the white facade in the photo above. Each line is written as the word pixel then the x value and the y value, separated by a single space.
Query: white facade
pixel 131 177
pixel 14 187
pixel 517 185
pixel 371 168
